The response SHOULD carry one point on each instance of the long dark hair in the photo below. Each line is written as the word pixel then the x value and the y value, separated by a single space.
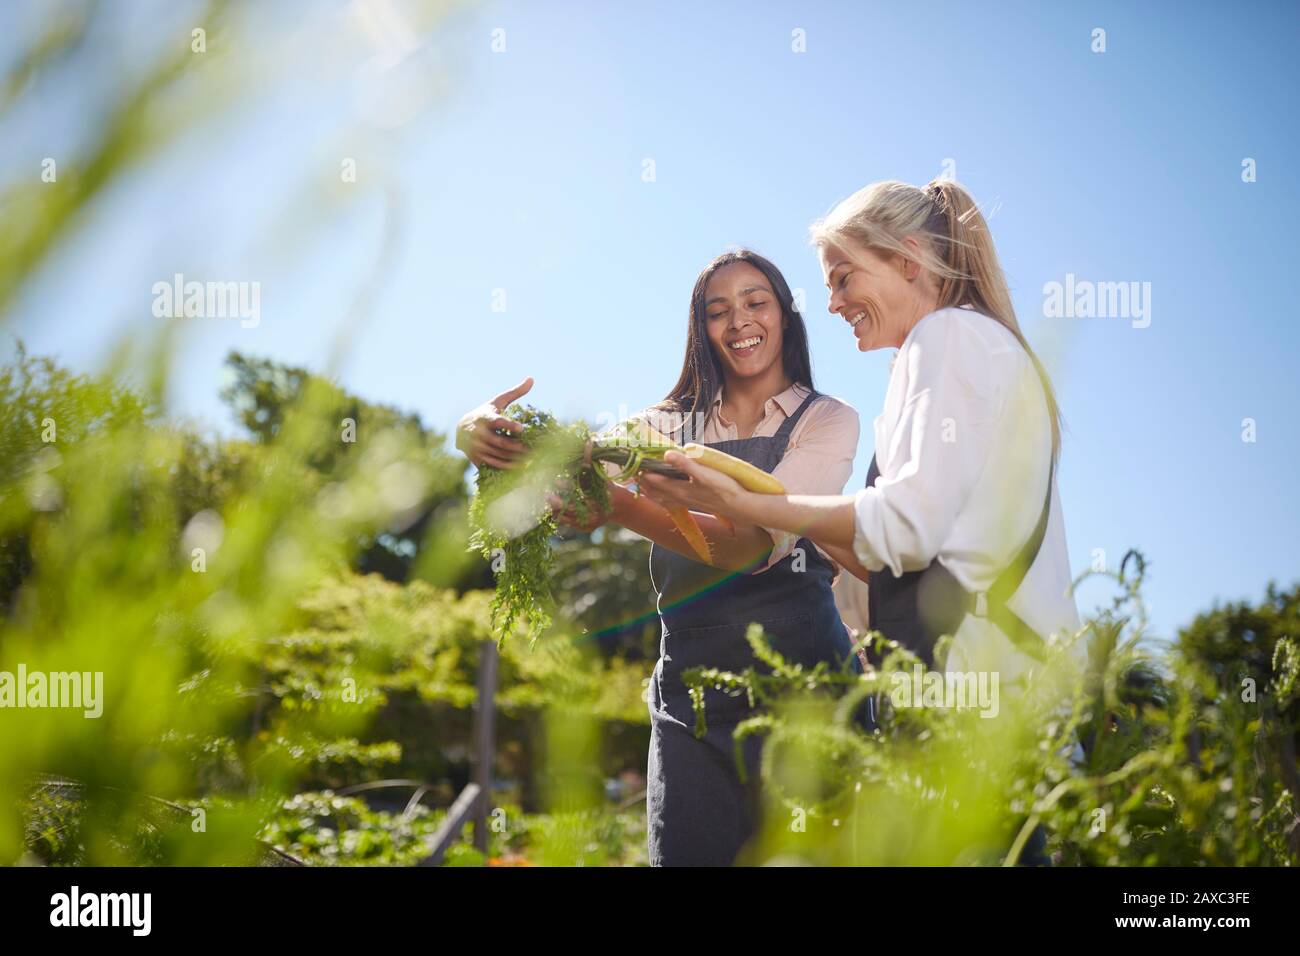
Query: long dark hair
pixel 701 376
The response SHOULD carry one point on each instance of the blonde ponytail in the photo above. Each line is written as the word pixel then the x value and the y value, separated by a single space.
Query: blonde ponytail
pixel 955 245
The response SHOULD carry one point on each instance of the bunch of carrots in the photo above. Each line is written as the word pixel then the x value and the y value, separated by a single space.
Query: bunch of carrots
pixel 512 525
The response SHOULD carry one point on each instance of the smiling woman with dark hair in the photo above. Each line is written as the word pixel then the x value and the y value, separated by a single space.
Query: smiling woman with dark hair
pixel 745 388
pixel 702 371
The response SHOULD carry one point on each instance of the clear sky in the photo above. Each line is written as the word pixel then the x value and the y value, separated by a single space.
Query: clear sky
pixel 524 170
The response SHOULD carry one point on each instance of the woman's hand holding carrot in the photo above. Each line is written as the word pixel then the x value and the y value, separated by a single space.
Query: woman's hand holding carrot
pixel 708 490
pixel 569 517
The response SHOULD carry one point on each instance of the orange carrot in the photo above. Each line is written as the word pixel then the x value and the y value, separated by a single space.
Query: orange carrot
pixel 685 523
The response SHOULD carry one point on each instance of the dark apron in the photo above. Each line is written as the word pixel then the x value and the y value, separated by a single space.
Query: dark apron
pixel 698 812
pixel 917 607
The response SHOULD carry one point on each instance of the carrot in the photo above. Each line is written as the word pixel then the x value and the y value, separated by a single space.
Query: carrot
pixel 659 443
pixel 750 476
pixel 685 523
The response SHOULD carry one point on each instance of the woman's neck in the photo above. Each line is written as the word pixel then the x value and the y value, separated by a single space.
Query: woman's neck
pixel 926 302
pixel 743 398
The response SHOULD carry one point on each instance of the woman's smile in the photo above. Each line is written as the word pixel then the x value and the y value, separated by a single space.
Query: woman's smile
pixel 747 346
pixel 859 324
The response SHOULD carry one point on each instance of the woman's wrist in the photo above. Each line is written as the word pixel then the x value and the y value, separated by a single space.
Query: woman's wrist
pixel 620 501
pixel 465 431
pixel 745 506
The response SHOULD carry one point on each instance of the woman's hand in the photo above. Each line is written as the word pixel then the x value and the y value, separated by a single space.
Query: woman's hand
pixel 476 432
pixel 595 518
pixel 707 490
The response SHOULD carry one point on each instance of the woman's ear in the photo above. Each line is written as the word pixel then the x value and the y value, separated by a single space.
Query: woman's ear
pixel 911 267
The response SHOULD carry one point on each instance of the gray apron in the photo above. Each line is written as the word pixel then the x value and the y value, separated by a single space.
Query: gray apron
pixel 698 812
pixel 917 607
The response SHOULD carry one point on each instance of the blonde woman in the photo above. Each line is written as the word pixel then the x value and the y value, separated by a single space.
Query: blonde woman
pixel 959 530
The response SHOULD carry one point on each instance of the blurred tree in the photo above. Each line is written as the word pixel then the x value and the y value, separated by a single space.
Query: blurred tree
pixel 602 586
pixel 44 405
pixel 260 395
pixel 1238 641
pixel 1248 650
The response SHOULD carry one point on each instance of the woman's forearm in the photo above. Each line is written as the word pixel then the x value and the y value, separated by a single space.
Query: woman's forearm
pixel 735 548
pixel 846 559
pixel 826 519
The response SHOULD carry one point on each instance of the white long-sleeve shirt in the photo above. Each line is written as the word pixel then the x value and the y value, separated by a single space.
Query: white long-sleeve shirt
pixel 963 447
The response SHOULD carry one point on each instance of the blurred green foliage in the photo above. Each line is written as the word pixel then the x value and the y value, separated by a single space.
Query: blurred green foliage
pixel 214 583
pixel 253 673
pixel 1185 757
pixel 601 582
pixel 275 612
pixel 260 395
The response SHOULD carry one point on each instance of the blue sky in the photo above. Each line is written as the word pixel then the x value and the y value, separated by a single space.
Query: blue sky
pixel 522 171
